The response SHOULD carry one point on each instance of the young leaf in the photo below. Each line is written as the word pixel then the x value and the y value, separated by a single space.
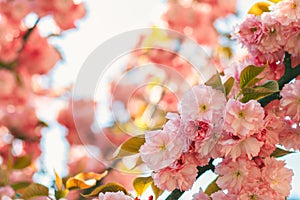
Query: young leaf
pixel 22 162
pixel 212 187
pixel 109 187
pixel 259 8
pixel 248 76
pixel 157 192
pixel 259 92
pixel 278 152
pixel 140 184
pixel 84 180
pixel 61 193
pixel 20 185
pixel 228 85
pixel 275 1
pixel 215 82
pixel 35 190
pixel 58 181
pixel 130 147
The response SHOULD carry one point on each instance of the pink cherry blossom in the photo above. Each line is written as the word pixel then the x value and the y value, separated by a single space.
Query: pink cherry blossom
pixel 180 174
pixel 235 174
pixel 203 103
pixel 161 148
pixel 38 56
pixel 243 119
pixel 200 196
pixel 286 12
pixel 233 147
pixel 277 176
pixel 290 137
pixel 7 192
pixel 113 196
pixel 7 83
pixel 290 101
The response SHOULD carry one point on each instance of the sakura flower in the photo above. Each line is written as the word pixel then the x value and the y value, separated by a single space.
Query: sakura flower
pixel 202 103
pixel 161 148
pixel 290 101
pixel 38 56
pixel 250 32
pixel 200 196
pixel 113 196
pixel 277 176
pixel 243 119
pixel 290 137
pixel 293 41
pixel 6 192
pixel 286 12
pixel 233 147
pixel 7 83
pixel 233 175
pixel 181 174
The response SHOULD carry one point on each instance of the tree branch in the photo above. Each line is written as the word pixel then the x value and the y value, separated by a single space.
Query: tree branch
pixel 289 74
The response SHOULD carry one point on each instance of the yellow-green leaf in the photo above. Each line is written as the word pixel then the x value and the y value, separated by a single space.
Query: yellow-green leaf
pixel 278 152
pixel 84 180
pixel 109 187
pixel 58 181
pixel 275 1
pixel 140 184
pixel 157 192
pixel 249 74
pixel 212 187
pixel 130 147
pixel 22 162
pixel 228 85
pixel 61 193
pixel 215 82
pixel 259 8
pixel 35 190
pixel 20 185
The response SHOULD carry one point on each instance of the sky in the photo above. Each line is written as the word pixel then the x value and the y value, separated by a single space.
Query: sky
pixel 105 19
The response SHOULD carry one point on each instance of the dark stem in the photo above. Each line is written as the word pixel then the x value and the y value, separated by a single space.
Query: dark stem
pixel 176 194
pixel 289 74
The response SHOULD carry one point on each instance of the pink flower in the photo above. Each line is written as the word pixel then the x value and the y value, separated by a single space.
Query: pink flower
pixel 243 119
pixel 250 32
pixel 180 174
pixel 290 101
pixel 277 176
pixel 113 196
pixel 290 137
pixel 203 103
pixel 273 38
pixel 161 148
pixel 235 174
pixel 286 12
pixel 200 196
pixel 38 56
pixel 293 42
pixel 233 147
pixel 7 192
pixel 7 83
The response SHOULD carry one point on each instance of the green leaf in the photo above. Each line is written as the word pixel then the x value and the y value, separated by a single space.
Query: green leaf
pixel 212 187
pixel 259 92
pixel 20 185
pixel 157 192
pixel 22 162
pixel 109 187
pixel 259 8
pixel 216 82
pixel 61 193
pixel 228 85
pixel 130 147
pixel 248 76
pixel 278 152
pixel 140 184
pixel 35 190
